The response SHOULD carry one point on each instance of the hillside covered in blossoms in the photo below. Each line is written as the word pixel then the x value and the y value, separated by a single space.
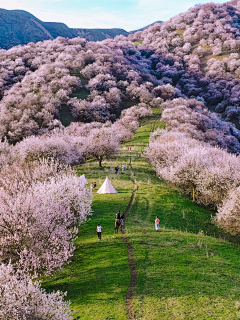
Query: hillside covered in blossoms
pixel 195 54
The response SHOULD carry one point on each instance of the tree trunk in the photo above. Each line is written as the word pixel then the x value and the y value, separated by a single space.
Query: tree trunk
pixel 100 161
pixel 193 194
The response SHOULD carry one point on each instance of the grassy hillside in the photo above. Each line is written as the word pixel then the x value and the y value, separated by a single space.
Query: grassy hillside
pixel 186 271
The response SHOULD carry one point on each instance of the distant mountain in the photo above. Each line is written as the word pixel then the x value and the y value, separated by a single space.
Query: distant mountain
pixel 21 27
pixel 145 27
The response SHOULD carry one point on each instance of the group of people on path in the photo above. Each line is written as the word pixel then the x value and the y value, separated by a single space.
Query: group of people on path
pixel 117 168
pixel 120 217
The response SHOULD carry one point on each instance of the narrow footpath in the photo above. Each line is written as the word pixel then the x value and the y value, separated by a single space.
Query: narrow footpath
pixel 132 264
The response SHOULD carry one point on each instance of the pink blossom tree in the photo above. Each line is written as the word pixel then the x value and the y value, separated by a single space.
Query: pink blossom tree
pixel 101 143
pixel 39 221
pixel 22 298
pixel 228 213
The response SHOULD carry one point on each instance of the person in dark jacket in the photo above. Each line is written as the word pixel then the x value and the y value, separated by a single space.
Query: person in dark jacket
pixel 118 215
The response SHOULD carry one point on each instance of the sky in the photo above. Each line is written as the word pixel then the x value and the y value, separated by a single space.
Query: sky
pixel 125 14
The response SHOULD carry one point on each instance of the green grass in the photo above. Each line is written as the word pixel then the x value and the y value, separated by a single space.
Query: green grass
pixel 137 43
pixel 80 93
pixel 185 271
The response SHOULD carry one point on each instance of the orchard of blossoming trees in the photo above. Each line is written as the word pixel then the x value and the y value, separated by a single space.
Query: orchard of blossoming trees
pixel 183 67
pixel 43 202
pixel 190 154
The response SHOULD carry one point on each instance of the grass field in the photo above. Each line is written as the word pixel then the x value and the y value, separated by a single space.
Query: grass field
pixel 185 271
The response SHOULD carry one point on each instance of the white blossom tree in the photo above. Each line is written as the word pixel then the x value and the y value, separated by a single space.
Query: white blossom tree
pixel 228 215
pixel 101 143
pixel 22 298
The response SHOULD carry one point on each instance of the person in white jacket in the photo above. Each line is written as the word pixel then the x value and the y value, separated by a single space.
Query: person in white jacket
pixel 99 232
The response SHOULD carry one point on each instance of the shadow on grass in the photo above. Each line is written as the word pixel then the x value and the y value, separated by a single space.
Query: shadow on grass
pixel 86 270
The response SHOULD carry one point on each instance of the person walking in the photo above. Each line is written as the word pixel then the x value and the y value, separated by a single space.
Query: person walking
pixel 157 221
pixel 99 232
pixel 123 167
pixel 116 169
pixel 118 215
pixel 122 221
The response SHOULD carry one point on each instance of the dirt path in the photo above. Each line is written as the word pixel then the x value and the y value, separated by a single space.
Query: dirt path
pixel 132 265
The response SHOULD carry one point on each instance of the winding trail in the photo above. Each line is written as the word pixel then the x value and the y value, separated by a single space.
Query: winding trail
pixel 132 264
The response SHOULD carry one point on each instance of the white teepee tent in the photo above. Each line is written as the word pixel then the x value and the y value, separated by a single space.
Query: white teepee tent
pixel 83 179
pixel 107 187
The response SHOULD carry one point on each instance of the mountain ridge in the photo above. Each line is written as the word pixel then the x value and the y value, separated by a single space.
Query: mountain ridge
pixel 19 27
